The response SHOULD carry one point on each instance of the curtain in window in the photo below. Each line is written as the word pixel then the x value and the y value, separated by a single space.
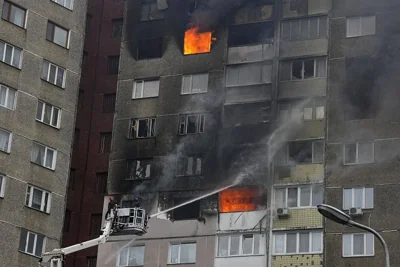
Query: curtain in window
pixel 37 199
pixel 38 154
pixel 17 16
pixel 3 92
pixel 4 137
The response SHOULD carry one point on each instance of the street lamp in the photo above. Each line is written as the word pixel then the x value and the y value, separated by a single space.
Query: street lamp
pixel 340 217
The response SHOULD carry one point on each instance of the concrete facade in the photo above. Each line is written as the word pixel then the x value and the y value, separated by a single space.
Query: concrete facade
pixel 20 119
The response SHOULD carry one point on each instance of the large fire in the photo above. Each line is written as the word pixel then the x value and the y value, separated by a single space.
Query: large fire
pixel 196 43
pixel 238 199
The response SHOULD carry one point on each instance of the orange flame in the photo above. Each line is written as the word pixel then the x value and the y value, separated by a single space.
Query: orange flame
pixel 196 43
pixel 238 199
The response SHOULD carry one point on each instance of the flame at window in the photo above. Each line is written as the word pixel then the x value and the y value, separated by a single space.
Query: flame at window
pixel 238 199
pixel 196 43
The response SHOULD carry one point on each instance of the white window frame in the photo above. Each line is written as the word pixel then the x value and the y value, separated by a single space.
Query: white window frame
pixel 8 89
pixel 364 197
pixel 2 185
pixel 135 86
pixel 134 163
pixel 179 255
pixel 299 187
pixel 9 140
pixel 357 162
pixel 29 198
pixel 200 116
pixel 260 247
pixel 64 5
pixel 298 243
pixel 128 248
pixel 34 243
pixel 190 76
pixel 13 48
pixel 303 68
pixel 360 33
pixel 56 74
pixel 51 115
pixel 263 66
pixel 53 165
pixel 352 255
pixel 301 21
pixel 291 110
pixel 186 165
pixel 136 131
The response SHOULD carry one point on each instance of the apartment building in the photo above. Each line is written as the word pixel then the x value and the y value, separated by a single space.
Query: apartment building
pixel 271 92
pixel 93 128
pixel 41 44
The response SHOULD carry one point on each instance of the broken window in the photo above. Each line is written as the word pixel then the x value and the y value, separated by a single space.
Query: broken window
pixel 303 69
pixel 195 83
pixel 248 74
pixel 239 199
pixel 139 169
pixel 359 153
pixel 251 33
pixel 189 166
pixel 150 11
pixel 301 152
pixel 191 124
pixel 143 128
pixel 304 29
pixel 150 48
pixel 187 212
pixel 360 26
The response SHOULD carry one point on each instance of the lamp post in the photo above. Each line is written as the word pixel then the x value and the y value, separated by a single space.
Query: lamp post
pixel 340 217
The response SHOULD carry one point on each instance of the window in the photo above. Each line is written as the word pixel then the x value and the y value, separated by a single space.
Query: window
pixel 117 28
pixel 195 83
pixel 67 221
pixel 53 74
pixel 359 153
pixel 71 181
pixel 2 185
pixel 65 3
pixel 250 33
pixel 88 24
pixel 360 26
pixel 248 74
pixel 150 11
pixel 189 166
pixel 113 65
pixel 105 143
pixel 151 48
pixel 304 29
pixel 95 225
pixel 235 245
pixel 101 182
pixel 304 242
pixel 38 199
pixel 14 14
pixel 313 110
pixel 76 139
pixel 362 197
pixel 57 34
pixel 303 69
pixel 91 261
pixel 109 103
pixel 146 88
pixel 299 197
pixel 7 97
pixel 191 124
pixel 182 253
pixel 139 169
pixel 301 152
pixel 43 156
pixel 131 256
pixel 143 128
pixel 358 245
pixel 31 243
pixel 10 54
pixel 190 211
pixel 48 114
pixel 5 141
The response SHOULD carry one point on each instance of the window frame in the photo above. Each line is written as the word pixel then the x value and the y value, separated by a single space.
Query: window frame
pixel 303 60
pixel 260 67
pixel 143 81
pixel 308 19
pixel 179 254
pixel 36 235
pixel 63 5
pixel 357 161
pixel 13 48
pixel 310 245
pixel 199 130
pixel 11 4
pixel 299 190
pixel 44 207
pixel 153 125
pixel 128 254
pixel 54 161
pixel 186 160
pixel 360 32
pixel 364 197
pixel 47 79
pixel 8 89
pixel 191 83
pixel 3 179
pixel 51 114
pixel 240 254
pixel 287 154
pixel 8 151
pixel 314 105
pixel 134 162
pixel 67 40
pixel 352 255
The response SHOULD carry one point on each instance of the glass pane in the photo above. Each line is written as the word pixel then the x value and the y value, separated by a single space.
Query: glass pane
pixel 31 242
pixel 136 256
pixel 304 29
pixel 47 114
pixel 60 77
pixel 68 4
pixel 37 199
pixel 186 84
pixel 316 239
pixel 22 240
pixel 358 244
pixel 151 88
pixel 256 244
pixel 223 245
pixel 16 58
pixel 297 70
pixel 320 113
pixel 279 246
pixel 350 153
pixel 313 28
pixel 280 196
pixel 49 31
pixel 235 240
pixel 353 27
pixel 8 55
pixel 292 197
pixel 4 139
pixel 369 198
pixel 138 89
pixel 123 257
pixel 305 196
pixel 45 70
pixel 143 128
pixel 39 111
pixel 291 243
pixel 6 7
pixel 247 244
pixel 295 30
pixel 317 195
pixel 347 199
pixel 346 245
pixel 358 197
pixel 304 242
pixel 321 68
pixel 365 153
pixel 3 94
pixel 39 245
pixel 37 155
pixel 370 244
pixel 286 30
pixel 200 83
pixel 49 158
pixel 52 76
pixel 60 36
pixel 368 25
pixel 175 253
pixel 323 31
pixel 309 68
pixel 54 121
pixel 17 16
pixel 188 253
pixel 2 46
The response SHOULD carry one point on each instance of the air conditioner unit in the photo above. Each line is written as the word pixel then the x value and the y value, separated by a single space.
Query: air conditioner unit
pixel 355 211
pixel 282 212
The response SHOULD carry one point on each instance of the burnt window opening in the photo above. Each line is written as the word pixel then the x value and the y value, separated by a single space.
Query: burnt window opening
pixel 113 65
pixel 105 143
pixel 139 169
pixel 109 103
pixel 150 48
pixel 143 128
pixel 361 95
pixel 302 69
pixel 150 11
pixel 191 124
pixel 300 152
pixel 189 166
pixel 187 212
pixel 252 33
pixel 117 25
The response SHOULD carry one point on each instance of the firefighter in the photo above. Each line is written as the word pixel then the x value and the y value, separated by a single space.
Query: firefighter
pixel 136 202
pixel 111 205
